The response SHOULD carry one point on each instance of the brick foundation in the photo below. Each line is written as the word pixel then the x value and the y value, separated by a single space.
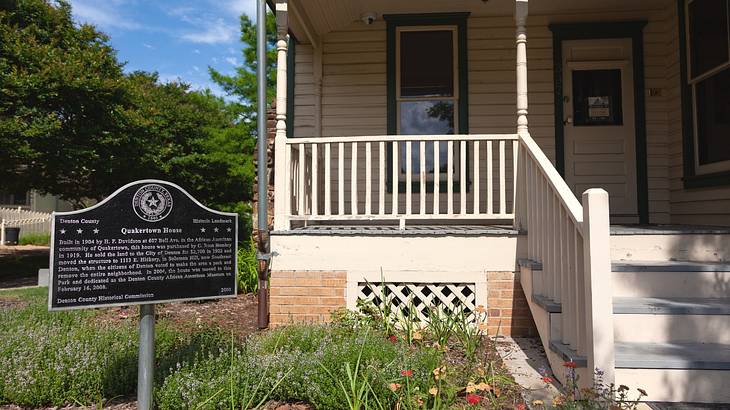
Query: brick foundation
pixel 305 296
pixel 311 297
pixel 509 314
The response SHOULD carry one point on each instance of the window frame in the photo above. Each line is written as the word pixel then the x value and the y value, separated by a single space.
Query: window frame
pixel 400 99
pixel 695 169
pixel 432 21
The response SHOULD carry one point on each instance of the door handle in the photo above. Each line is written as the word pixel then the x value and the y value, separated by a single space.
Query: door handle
pixel 568 120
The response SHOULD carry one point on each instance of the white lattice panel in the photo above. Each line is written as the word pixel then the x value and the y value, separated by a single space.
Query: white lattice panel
pixel 452 297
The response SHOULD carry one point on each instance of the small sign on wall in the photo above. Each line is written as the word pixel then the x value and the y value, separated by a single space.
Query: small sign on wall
pixel 597 99
pixel 599 108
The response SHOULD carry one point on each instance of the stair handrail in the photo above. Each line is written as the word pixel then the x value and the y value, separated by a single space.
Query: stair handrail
pixel 553 177
pixel 574 252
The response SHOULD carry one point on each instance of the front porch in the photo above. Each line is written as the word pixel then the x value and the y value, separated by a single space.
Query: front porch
pixel 494 210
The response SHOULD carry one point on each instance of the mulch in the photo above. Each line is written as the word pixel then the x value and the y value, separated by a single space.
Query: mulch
pixel 236 315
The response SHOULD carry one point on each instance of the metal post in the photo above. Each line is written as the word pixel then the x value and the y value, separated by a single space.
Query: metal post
pixel 263 143
pixel 146 369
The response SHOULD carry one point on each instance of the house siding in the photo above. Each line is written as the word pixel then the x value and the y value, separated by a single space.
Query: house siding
pixel 354 97
pixel 697 206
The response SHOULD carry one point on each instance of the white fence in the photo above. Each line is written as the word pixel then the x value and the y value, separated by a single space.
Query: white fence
pixel 29 222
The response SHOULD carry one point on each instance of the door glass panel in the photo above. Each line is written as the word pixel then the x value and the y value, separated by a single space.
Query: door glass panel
pixel 426 63
pixel 708 35
pixel 425 118
pixel 597 97
pixel 713 118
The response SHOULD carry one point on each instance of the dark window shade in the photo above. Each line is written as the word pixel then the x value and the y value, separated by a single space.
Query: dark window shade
pixel 713 118
pixel 708 35
pixel 426 63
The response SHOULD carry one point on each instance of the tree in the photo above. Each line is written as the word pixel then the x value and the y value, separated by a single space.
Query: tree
pixel 193 138
pixel 73 124
pixel 243 84
pixel 61 87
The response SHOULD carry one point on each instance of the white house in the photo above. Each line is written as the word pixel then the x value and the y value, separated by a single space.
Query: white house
pixel 569 170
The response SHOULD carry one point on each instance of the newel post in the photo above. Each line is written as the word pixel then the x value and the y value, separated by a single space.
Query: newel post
pixel 520 193
pixel 282 197
pixel 598 289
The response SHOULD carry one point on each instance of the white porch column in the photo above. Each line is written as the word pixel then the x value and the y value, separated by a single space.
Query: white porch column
pixel 282 198
pixel 521 20
pixel 520 193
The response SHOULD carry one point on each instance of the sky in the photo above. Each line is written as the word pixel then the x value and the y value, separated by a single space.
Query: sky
pixel 179 39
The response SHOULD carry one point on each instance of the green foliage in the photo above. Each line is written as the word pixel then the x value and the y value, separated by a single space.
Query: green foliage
pixel 68 357
pixel 248 274
pixel 73 124
pixel 468 330
pixel 243 84
pixel 312 356
pixel 35 239
pixel 600 396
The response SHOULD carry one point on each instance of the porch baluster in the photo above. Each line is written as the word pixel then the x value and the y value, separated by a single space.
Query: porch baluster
pixel 353 180
pixel 302 180
pixel 394 182
pixel 315 180
pixel 476 184
pixel 450 179
pixel 327 180
pixel 409 177
pixel 436 178
pixel 462 178
pixel 381 175
pixel 490 179
pixel 368 178
pixel 341 179
pixel 502 183
pixel 422 177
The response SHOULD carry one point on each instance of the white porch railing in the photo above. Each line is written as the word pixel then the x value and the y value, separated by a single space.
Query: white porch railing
pixel 572 243
pixel 436 177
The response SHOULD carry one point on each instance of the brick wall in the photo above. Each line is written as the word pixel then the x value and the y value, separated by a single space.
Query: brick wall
pixel 305 296
pixel 509 314
pixel 311 296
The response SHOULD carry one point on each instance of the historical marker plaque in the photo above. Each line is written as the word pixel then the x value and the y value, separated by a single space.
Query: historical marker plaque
pixel 148 242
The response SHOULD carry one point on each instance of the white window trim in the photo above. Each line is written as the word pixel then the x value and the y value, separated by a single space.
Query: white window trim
pixel 721 166
pixel 455 98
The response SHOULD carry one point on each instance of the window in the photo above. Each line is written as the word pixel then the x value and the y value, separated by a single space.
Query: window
pixel 427 93
pixel 708 62
pixel 14 199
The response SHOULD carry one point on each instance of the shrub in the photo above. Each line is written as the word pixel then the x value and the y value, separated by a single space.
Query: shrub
pixel 41 239
pixel 248 275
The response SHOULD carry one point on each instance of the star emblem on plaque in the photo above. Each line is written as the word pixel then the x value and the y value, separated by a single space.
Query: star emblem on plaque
pixel 152 202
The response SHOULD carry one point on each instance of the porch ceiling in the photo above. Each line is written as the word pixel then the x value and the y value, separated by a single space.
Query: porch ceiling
pixel 324 16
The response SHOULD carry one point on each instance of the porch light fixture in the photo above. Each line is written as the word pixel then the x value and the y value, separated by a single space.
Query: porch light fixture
pixel 369 17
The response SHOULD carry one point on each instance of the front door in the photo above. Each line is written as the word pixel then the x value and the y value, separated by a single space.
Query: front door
pixel 599 128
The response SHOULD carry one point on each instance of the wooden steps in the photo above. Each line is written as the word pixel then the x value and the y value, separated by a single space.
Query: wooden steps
pixel 671 324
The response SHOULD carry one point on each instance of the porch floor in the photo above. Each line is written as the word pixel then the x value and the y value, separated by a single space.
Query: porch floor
pixel 474 229
pixel 669 230
pixel 392 230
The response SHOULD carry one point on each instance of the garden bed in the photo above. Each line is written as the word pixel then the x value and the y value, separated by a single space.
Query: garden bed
pixel 205 360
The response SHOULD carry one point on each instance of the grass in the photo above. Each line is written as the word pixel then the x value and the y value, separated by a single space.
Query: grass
pixel 248 275
pixel 40 239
